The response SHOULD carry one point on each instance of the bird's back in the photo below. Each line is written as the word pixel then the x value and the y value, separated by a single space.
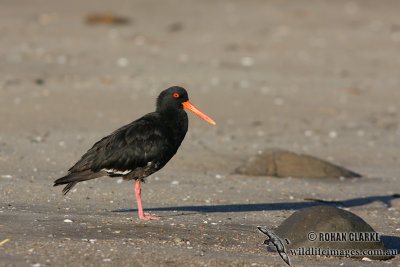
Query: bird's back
pixel 134 145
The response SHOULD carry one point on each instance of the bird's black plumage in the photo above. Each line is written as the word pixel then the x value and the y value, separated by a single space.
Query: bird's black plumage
pixel 138 149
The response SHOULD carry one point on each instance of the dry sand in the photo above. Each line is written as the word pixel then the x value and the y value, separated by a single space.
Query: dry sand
pixel 314 77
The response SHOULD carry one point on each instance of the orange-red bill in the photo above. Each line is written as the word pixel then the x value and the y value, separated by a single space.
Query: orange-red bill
pixel 189 106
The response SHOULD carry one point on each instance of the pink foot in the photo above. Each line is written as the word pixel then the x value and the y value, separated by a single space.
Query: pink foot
pixel 146 217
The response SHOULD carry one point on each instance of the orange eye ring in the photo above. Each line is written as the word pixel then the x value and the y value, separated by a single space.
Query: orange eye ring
pixel 176 95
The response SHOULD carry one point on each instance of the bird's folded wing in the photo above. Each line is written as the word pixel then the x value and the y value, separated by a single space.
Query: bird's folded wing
pixel 131 146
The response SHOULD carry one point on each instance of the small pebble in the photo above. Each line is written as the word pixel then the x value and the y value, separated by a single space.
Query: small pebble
pixel 200 253
pixel 67 221
pixel 178 240
pixel 39 81
pixel 122 62
pixel 360 133
pixel 333 134
pixel 215 81
pixel 308 133
pixel 278 101
pixel 247 61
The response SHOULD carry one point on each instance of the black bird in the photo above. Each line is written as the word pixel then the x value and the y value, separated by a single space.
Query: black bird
pixel 140 148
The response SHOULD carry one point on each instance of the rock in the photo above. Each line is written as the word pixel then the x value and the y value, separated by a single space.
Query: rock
pixel 280 163
pixel 311 228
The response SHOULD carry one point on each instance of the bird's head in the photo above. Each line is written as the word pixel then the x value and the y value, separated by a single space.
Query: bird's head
pixel 176 98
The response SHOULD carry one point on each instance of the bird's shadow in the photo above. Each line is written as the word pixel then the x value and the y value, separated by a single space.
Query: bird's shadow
pixel 354 202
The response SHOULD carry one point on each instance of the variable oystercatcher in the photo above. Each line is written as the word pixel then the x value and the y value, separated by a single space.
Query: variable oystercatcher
pixel 140 148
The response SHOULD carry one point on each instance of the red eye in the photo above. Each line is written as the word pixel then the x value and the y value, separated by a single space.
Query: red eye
pixel 176 95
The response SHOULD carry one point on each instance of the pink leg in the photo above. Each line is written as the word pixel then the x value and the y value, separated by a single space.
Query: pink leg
pixel 139 203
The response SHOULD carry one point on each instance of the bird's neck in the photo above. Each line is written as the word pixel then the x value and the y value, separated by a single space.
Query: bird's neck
pixel 177 121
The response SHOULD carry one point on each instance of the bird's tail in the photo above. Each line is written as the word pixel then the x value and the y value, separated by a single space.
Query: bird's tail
pixel 75 177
